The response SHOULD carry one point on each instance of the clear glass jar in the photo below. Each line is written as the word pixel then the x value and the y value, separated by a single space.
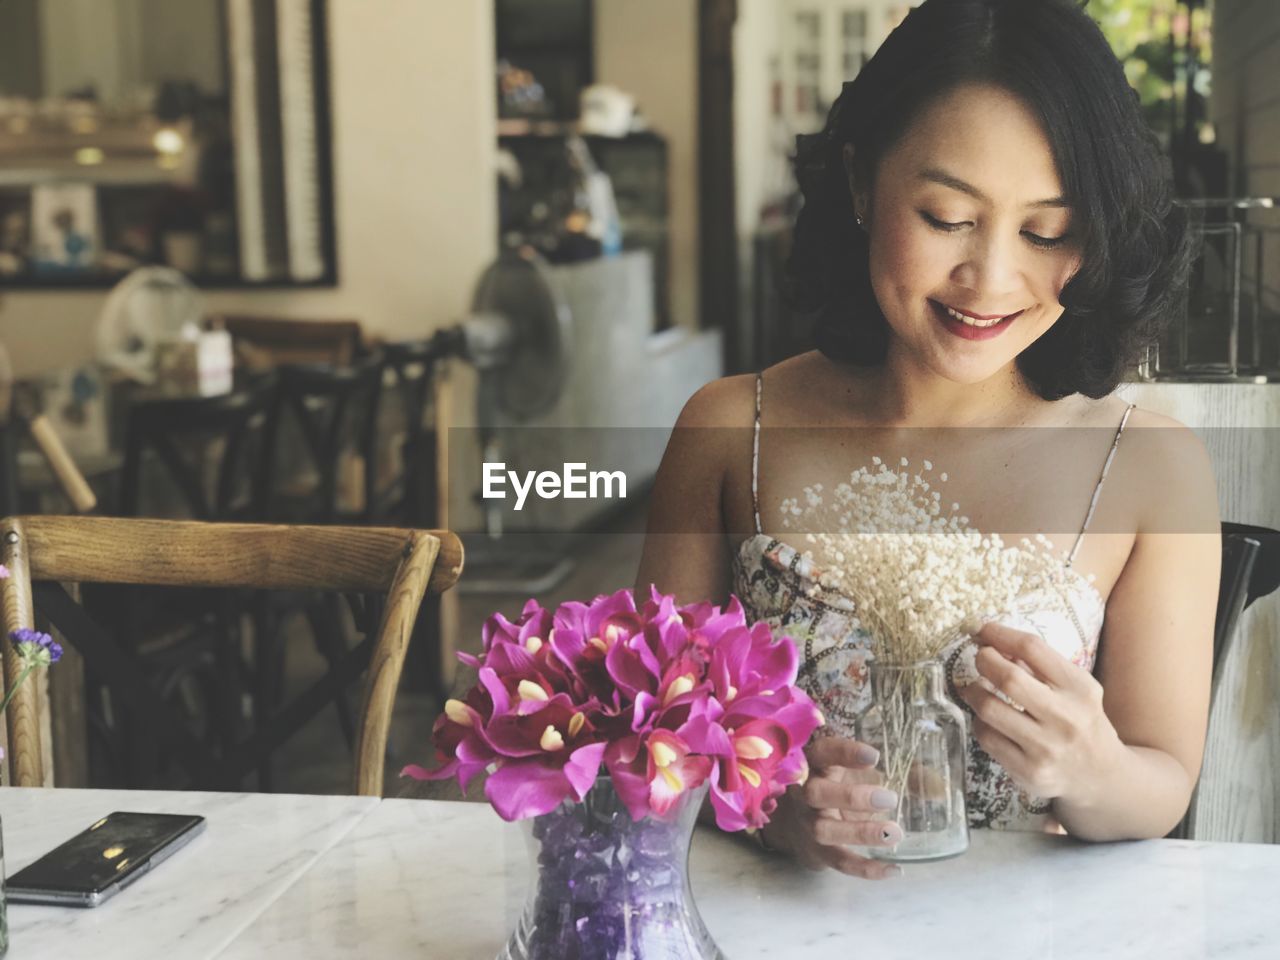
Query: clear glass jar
pixel 921 735
pixel 606 886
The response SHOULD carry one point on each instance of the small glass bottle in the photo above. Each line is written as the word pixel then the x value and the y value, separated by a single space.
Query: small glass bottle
pixel 922 737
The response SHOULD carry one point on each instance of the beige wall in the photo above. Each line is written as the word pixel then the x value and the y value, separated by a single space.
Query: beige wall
pixel 414 136
pixel 650 50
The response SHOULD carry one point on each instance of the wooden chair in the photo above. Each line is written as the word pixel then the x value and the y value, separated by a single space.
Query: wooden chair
pixel 413 496
pixel 336 411
pixel 1250 570
pixel 195 440
pixel 197 458
pixel 280 340
pixel 42 552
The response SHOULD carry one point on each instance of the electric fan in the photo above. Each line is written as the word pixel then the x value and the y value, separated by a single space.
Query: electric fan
pixel 517 338
pixel 150 305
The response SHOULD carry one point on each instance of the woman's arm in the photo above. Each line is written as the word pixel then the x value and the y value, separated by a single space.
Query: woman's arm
pixel 1156 655
pixel 685 547
pixel 1119 751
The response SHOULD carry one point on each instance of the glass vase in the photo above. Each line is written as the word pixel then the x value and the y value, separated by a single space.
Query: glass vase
pixel 606 887
pixel 921 735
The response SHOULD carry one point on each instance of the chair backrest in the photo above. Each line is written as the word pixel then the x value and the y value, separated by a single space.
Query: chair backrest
pixel 336 409
pixel 1265 577
pixel 412 495
pixel 403 564
pixel 1250 570
pixel 1239 554
pixel 183 432
pixel 281 340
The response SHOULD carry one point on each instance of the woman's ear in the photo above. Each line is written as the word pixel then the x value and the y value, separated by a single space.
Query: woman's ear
pixel 856 189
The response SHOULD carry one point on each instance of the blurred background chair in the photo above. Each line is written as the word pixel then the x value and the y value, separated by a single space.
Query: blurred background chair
pixel 410 495
pixel 1250 570
pixel 320 468
pixel 198 458
pixel 273 341
pixel 326 471
pixel 388 569
pixel 410 492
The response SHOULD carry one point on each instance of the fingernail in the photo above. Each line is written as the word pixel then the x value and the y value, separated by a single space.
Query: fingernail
pixel 866 754
pixel 891 873
pixel 891 834
pixel 883 799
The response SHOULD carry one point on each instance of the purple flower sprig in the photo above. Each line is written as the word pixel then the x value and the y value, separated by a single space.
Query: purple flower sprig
pixel 34 649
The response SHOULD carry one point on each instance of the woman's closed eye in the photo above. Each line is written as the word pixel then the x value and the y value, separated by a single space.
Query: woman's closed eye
pixel 946 226
pixel 951 226
pixel 1047 243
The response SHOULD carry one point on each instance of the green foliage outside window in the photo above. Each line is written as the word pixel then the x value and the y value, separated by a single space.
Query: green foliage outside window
pixel 1151 38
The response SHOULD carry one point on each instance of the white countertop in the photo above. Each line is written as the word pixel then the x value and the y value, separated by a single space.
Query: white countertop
pixel 254 847
pixel 322 877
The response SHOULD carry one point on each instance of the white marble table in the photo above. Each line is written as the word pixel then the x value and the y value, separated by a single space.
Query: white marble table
pixel 253 849
pixel 427 879
pixel 327 877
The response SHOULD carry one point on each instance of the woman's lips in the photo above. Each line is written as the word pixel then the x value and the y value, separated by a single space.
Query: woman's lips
pixel 967 331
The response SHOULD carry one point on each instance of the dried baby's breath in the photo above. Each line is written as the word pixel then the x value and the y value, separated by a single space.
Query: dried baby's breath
pixel 918 576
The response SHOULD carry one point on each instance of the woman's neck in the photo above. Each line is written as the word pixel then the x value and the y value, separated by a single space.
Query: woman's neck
pixel 902 394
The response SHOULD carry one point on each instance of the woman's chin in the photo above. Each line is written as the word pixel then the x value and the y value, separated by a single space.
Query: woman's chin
pixel 969 371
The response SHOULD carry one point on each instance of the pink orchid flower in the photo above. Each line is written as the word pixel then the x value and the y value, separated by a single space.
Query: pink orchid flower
pixel 765 756
pixel 672 770
pixel 662 698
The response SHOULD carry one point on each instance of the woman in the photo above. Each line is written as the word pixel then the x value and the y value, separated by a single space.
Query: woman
pixel 987 245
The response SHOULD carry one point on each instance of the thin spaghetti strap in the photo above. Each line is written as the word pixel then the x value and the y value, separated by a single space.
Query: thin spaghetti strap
pixel 1097 490
pixel 755 457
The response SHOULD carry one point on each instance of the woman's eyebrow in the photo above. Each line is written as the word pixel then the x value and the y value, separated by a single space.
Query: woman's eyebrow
pixel 933 175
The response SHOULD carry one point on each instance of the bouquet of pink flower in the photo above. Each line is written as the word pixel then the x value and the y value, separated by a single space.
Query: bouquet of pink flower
pixel 664 698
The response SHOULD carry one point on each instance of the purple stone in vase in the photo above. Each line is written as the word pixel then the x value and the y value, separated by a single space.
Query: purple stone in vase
pixel 607 887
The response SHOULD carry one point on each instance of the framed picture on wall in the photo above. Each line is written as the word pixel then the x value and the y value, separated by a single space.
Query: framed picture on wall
pixel 64 227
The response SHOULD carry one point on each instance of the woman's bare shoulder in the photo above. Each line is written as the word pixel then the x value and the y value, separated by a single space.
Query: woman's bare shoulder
pixel 727 402
pixel 1167 468
pixel 789 387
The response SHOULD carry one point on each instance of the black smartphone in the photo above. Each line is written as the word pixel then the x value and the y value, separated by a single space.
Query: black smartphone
pixel 103 860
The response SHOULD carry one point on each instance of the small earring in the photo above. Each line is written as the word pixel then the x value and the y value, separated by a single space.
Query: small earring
pixel 857 218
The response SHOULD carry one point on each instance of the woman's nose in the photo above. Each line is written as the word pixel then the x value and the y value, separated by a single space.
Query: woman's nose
pixel 990 269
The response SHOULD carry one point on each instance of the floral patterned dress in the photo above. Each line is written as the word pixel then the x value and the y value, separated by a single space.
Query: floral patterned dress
pixel 778 584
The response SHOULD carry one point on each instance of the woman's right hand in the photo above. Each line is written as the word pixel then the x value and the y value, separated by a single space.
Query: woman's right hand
pixel 842 804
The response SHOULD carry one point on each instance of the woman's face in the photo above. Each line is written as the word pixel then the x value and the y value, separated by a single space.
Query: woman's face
pixel 971 239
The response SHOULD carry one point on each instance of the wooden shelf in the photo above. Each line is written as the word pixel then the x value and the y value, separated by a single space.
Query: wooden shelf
pixel 107 281
pixel 135 174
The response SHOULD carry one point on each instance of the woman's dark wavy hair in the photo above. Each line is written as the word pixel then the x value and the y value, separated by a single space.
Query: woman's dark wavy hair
pixel 1049 53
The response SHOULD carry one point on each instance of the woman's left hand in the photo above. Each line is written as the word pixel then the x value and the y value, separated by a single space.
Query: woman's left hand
pixel 1060 740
